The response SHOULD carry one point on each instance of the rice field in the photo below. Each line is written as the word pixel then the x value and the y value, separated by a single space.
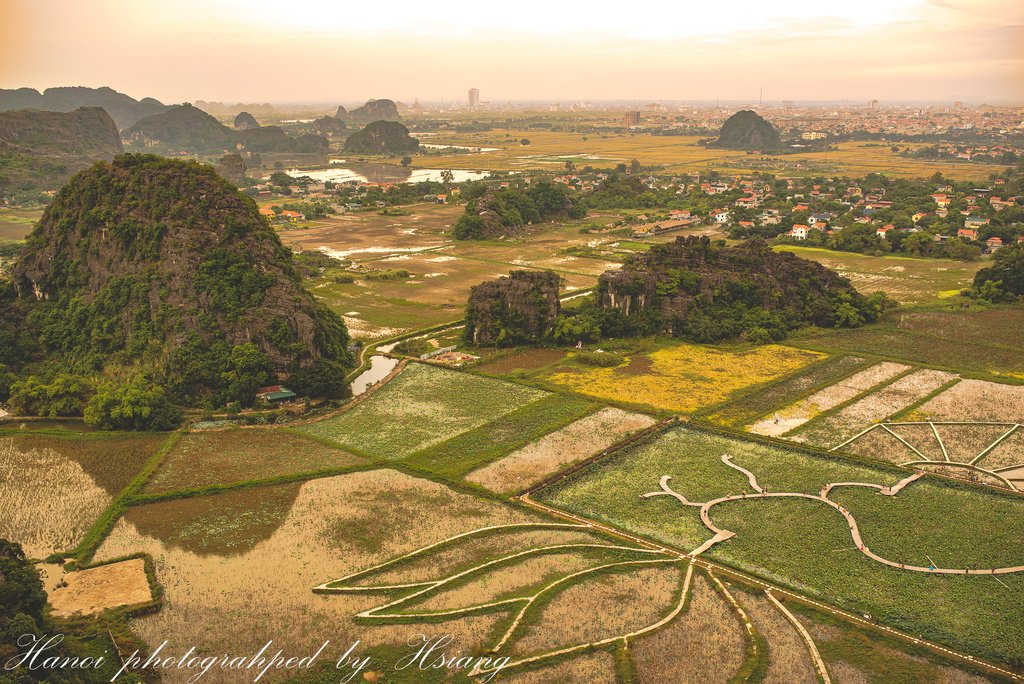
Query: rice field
pixel 52 489
pixel 704 645
pixel 806 546
pixel 907 280
pixel 834 428
pixel 201 459
pixel 747 407
pixel 788 659
pixel 495 439
pixel 976 400
pixel 682 378
pixel 233 599
pixel 422 406
pixel 596 667
pixel 557 450
pixel 602 606
pixel 795 415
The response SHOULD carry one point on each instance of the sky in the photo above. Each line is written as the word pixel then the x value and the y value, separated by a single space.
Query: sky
pixel 564 51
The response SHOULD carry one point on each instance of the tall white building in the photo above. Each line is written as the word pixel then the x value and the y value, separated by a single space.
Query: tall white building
pixel 474 97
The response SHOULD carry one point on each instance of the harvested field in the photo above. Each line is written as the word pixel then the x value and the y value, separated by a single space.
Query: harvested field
pixel 261 590
pixel 1009 452
pixel 883 445
pixel 200 459
pixel 53 489
pixel 522 361
pixel 965 442
pixel 979 400
pixel 551 453
pixel 683 377
pixel 704 645
pixel 423 405
pixel 759 402
pixel 804 410
pixel 97 589
pixel 877 406
pixel 788 659
pixel 517 578
pixel 601 606
pixel 462 555
pixel 597 667
pixel 921 438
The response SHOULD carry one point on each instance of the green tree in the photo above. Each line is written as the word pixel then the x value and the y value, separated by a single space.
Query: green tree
pixel 135 405
pixel 406 161
pixel 249 370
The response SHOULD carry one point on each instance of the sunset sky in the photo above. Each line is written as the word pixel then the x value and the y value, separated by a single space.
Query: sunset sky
pixel 347 51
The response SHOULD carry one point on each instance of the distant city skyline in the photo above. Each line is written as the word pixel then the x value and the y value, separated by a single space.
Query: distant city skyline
pixel 322 51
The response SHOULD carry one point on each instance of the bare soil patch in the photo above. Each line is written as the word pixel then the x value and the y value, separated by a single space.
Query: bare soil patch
pixel 101 588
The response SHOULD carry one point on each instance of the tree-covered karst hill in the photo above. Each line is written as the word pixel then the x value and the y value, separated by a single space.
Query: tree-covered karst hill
pixel 518 309
pixel 694 289
pixel 747 130
pixel 374 110
pixel 329 125
pixel 274 139
pixel 494 213
pixel 341 112
pixel 123 109
pixel 156 275
pixel 382 137
pixel 181 128
pixel 244 121
pixel 39 150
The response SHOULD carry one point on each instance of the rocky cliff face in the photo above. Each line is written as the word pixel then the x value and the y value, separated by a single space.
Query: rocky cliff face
pixel 518 309
pixel 382 137
pixel 155 261
pixel 231 167
pixel 747 130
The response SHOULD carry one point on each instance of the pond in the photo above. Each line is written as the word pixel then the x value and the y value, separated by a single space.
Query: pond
pixel 379 368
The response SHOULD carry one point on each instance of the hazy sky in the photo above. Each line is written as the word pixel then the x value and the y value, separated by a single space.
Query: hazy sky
pixel 350 50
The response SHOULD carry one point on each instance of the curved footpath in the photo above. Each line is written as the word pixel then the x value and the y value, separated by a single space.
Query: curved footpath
pixel 822 496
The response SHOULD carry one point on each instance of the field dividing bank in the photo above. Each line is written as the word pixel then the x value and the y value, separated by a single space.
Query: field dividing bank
pixel 805 547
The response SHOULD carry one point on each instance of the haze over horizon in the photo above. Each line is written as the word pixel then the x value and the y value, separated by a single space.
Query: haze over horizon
pixel 321 51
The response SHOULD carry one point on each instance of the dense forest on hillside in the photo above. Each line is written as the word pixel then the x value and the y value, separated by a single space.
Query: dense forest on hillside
pixel 154 280
pixel 493 212
pixel 693 289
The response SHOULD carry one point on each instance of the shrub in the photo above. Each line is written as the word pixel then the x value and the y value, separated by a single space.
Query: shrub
pixel 600 358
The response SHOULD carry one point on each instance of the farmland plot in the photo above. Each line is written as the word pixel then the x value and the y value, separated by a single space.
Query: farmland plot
pixel 788 659
pixel 421 406
pixel 804 410
pixel 835 428
pixel 201 458
pixel 236 599
pixel 705 645
pixel 683 377
pixel 53 489
pixel 976 400
pixel 97 589
pixel 551 453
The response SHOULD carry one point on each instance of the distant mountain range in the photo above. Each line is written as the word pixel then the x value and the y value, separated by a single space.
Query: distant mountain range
pixel 123 109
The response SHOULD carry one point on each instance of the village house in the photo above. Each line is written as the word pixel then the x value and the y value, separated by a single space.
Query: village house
pixel 292 216
pixel 967 233
pixel 883 231
pixel 720 216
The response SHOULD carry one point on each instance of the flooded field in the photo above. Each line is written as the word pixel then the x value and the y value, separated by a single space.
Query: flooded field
pixel 239 568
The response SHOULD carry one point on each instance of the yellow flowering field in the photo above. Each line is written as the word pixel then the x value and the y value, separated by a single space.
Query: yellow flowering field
pixel 684 377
